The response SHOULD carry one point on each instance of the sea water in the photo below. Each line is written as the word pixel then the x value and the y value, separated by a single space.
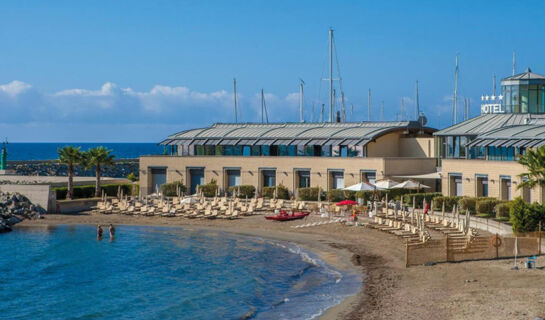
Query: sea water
pixel 48 150
pixel 65 272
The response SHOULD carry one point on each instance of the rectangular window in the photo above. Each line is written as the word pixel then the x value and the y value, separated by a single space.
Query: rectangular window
pixel 246 151
pixel 326 151
pixel 337 180
pixel 199 150
pixel 335 151
pixel 269 178
pixel 233 178
pixel 317 151
pixel 265 151
pixel 309 151
pixel 344 151
pixel 523 93
pixel 256 150
pixel 369 177
pixel 274 151
pixel 304 178
pixel 463 142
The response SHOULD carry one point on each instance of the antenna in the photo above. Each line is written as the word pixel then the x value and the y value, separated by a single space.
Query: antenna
pixel 312 114
pixel 301 119
pixel 417 104
pixel 235 97
pixel 352 114
pixel 369 105
pixel 514 62
pixel 322 113
pixel 454 108
pixel 382 110
pixel 331 98
pixel 468 108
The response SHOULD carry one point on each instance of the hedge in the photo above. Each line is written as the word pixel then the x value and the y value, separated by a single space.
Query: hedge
pixel 468 203
pixel 502 210
pixel 337 195
pixel 88 191
pixel 283 193
pixel 526 217
pixel 486 206
pixel 170 189
pixel 419 198
pixel 243 191
pixel 309 194
pixel 449 202
pixel 210 189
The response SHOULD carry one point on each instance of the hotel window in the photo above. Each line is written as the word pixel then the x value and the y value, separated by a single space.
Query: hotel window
pixel 265 151
pixel 326 151
pixel 309 151
pixel 505 188
pixel 219 151
pixel 199 150
pixel 317 150
pixel 304 178
pixel 246 151
pixel 289 151
pixel 337 179
pixel 233 177
pixel 335 151
pixel 344 151
pixel 482 185
pixel 256 150
pixel 455 185
pixel 369 177
pixel 269 178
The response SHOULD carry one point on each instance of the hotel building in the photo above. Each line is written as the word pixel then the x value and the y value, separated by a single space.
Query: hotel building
pixel 296 155
pixel 478 157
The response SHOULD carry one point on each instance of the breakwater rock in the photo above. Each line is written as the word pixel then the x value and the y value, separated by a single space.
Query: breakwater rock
pixel 14 207
pixel 120 169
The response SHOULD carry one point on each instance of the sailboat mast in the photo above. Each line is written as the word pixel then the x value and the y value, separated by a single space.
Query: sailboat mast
pixel 322 113
pixel 235 98
pixel 262 106
pixel 331 75
pixel 417 105
pixel 514 61
pixel 342 106
pixel 369 105
pixel 301 101
pixel 454 107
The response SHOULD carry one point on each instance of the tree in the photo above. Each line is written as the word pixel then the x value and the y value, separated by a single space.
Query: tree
pixel 534 162
pixel 70 156
pixel 98 157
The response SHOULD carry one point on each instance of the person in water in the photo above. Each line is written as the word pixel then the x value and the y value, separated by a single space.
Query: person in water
pixel 99 231
pixel 112 231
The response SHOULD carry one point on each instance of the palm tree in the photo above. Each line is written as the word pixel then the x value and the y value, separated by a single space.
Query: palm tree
pixel 98 157
pixel 70 156
pixel 534 161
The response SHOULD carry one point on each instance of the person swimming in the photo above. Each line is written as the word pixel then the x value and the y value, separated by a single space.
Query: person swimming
pixel 99 232
pixel 112 231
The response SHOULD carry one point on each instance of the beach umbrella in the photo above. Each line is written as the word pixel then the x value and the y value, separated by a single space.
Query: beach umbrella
pixel 275 191
pixel 346 203
pixel 189 200
pixel 362 186
pixel 386 184
pixel 410 184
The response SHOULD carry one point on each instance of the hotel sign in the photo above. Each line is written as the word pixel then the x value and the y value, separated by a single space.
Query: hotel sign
pixel 492 104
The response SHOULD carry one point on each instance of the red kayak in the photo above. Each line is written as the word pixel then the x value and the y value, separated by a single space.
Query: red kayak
pixel 284 216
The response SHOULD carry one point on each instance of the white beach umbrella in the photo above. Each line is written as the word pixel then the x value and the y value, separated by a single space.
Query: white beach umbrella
pixel 410 184
pixel 189 200
pixel 386 184
pixel 362 186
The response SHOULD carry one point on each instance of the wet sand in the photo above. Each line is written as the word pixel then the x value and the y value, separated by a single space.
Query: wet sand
pixel 468 290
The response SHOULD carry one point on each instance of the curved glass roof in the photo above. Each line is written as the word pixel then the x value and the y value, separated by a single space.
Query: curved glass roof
pixel 293 131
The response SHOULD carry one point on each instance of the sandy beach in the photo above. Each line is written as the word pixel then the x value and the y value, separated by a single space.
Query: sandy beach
pixel 468 290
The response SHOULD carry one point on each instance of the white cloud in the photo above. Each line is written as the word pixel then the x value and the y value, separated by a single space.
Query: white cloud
pixel 14 88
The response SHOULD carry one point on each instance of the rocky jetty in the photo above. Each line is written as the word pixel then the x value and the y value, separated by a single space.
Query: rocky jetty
pixel 14 207
pixel 121 169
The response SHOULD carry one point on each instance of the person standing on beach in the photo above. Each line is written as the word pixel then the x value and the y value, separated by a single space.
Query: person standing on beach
pixel 99 232
pixel 112 231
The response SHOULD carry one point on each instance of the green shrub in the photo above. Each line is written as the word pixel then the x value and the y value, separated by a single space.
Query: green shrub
pixel 467 203
pixel 486 206
pixel 337 195
pixel 170 189
pixel 243 191
pixel 132 177
pixel 502 210
pixel 88 191
pixel 419 198
pixel 283 193
pixel 526 217
pixel 210 189
pixel 309 194
pixel 449 202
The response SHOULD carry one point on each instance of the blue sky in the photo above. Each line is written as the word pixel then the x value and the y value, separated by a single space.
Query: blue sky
pixel 140 70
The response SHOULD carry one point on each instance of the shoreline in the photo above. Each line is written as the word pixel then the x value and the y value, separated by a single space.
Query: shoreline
pixel 465 290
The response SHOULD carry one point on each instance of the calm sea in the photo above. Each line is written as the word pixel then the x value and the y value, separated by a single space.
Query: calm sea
pixel 162 273
pixel 48 151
